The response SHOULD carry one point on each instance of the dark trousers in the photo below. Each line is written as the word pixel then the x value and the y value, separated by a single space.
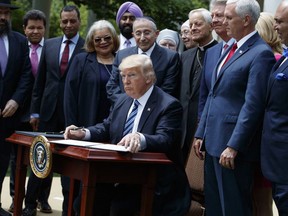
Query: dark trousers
pixel 280 196
pixel 35 185
pixel 5 150
pixel 228 192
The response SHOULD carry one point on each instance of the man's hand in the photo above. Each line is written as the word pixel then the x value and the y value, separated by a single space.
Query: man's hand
pixel 34 122
pixel 131 142
pixel 71 132
pixel 10 108
pixel 227 158
pixel 197 143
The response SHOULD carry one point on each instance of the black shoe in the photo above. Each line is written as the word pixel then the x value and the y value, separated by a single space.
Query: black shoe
pixel 11 208
pixel 45 207
pixel 29 212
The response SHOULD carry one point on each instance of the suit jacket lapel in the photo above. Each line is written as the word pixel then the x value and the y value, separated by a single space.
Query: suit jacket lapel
pixel 241 50
pixel 278 68
pixel 148 109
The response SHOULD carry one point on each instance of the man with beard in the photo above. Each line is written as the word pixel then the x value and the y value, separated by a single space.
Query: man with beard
pixel 15 82
pixel 125 18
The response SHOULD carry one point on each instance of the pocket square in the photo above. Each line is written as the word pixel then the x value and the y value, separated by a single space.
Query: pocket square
pixel 281 76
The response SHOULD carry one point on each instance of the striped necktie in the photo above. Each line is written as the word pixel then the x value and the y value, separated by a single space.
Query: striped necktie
pixel 130 120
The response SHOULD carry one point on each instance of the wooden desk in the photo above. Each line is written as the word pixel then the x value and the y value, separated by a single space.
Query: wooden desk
pixel 91 166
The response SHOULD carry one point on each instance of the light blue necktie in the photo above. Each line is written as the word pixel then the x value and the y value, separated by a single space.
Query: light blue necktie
pixel 3 56
pixel 130 121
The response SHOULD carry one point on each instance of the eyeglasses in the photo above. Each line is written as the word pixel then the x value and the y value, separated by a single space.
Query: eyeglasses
pixel 99 39
pixel 138 34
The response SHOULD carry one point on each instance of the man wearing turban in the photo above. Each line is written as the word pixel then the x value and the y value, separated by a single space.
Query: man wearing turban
pixel 125 17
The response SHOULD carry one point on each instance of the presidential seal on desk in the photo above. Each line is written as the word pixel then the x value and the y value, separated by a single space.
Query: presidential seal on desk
pixel 40 156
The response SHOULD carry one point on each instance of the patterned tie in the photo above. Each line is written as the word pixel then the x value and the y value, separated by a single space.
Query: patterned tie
pixel 285 52
pixel 130 120
pixel 3 56
pixel 225 48
pixel 231 53
pixel 65 58
pixel 34 58
pixel 128 43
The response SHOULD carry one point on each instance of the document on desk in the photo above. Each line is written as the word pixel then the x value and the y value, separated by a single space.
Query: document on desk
pixel 88 144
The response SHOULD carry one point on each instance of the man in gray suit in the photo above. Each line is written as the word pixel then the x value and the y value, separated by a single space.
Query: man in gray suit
pixel 165 61
pixel 230 125
pixel 47 98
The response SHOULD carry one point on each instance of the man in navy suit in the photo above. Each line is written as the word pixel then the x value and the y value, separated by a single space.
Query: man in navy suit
pixel 192 63
pixel 47 112
pixel 165 61
pixel 230 125
pixel 213 54
pixel 274 150
pixel 15 84
pixel 156 128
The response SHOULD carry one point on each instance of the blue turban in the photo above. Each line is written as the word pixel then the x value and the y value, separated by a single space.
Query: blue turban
pixel 130 7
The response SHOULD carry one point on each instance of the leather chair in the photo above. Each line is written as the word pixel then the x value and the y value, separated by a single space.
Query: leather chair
pixel 195 173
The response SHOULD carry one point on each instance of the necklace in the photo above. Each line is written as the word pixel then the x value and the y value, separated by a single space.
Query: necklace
pixel 109 72
pixel 106 63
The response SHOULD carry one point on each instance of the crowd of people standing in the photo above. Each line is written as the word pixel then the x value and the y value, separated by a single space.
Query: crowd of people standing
pixel 218 88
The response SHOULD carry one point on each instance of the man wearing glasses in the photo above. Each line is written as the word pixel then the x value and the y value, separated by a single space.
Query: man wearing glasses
pixel 165 61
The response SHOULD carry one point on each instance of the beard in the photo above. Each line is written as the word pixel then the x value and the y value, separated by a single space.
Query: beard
pixel 126 30
pixel 4 27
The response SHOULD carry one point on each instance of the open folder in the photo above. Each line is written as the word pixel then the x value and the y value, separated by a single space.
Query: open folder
pixel 87 144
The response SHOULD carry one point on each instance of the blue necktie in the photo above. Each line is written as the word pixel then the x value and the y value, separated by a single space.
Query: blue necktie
pixel 285 52
pixel 130 121
pixel 3 56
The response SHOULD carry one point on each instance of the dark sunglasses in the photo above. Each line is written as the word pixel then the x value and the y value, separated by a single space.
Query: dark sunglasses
pixel 106 39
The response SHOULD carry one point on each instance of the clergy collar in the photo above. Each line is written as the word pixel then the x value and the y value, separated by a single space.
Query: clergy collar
pixel 202 48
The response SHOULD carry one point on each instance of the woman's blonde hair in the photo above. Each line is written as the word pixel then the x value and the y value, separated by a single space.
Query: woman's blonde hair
pixel 265 28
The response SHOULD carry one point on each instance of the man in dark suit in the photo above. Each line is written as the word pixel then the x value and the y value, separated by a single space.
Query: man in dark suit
pixel 274 148
pixel 192 63
pixel 34 24
pixel 165 61
pixel 47 98
pixel 155 128
pixel 15 84
pixel 230 125
pixel 213 54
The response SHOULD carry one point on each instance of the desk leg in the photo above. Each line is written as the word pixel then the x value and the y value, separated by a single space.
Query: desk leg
pixel 88 192
pixel 148 194
pixel 20 177
pixel 71 197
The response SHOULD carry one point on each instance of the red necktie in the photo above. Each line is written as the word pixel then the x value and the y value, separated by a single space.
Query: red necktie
pixel 231 53
pixel 65 58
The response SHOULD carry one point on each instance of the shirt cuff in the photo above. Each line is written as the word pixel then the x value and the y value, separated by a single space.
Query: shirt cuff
pixel 87 134
pixel 34 115
pixel 143 144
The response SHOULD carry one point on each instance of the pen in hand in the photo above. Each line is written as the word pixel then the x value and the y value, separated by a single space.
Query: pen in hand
pixel 77 128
